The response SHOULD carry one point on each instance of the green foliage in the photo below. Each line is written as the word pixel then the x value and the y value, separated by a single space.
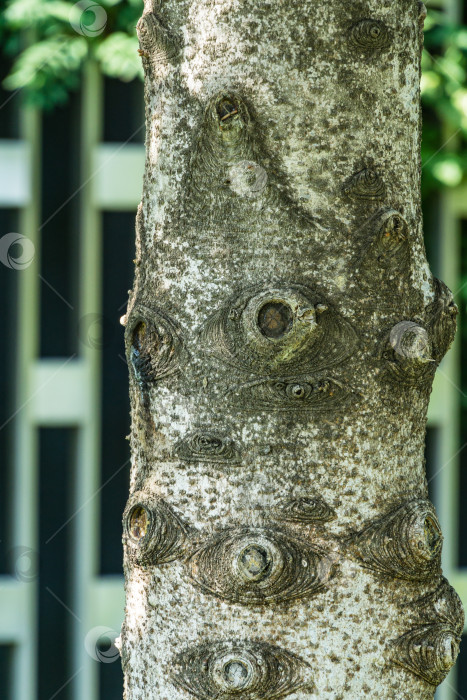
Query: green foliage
pixel 444 98
pixel 118 56
pixel 51 39
pixel 49 69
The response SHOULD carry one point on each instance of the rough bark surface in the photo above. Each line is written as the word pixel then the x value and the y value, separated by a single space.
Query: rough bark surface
pixel 282 336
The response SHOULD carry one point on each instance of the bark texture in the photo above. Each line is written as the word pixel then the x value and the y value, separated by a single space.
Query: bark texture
pixel 282 336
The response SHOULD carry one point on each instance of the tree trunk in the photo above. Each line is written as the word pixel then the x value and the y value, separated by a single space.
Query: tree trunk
pixel 282 336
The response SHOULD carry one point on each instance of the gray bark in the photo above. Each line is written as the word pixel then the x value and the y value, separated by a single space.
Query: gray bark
pixel 282 336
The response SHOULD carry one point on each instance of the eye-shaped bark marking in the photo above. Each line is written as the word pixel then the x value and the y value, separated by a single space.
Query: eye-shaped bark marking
pixel 246 669
pixel 256 566
pixel 407 355
pixel 227 165
pixel 153 533
pixel 228 117
pixel 154 346
pixel 158 46
pixel 227 131
pixel 270 330
pixel 405 543
pixel 305 509
pixel 233 177
pixel 366 184
pixel 317 395
pixel 441 606
pixel 428 651
pixel 206 446
pixel 225 139
pixel 383 263
pixel 442 319
pixel 369 36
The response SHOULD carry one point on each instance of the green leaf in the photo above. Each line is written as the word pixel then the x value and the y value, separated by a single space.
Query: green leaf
pixel 48 70
pixel 118 56
pixel 448 171
pixel 27 13
pixel 461 38
pixel 430 82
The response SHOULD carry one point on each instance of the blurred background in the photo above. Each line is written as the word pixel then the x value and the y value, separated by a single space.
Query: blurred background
pixel 71 164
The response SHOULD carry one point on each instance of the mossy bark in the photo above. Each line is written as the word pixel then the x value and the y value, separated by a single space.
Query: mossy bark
pixel 282 336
